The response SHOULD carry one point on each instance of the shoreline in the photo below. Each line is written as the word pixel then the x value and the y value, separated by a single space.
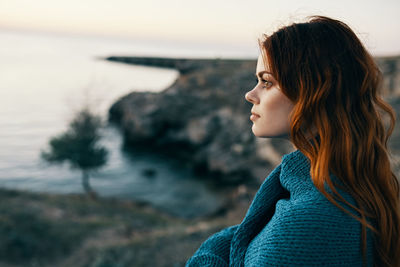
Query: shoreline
pixel 203 118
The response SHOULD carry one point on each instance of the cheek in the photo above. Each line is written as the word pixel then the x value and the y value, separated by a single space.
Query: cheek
pixel 272 103
pixel 276 107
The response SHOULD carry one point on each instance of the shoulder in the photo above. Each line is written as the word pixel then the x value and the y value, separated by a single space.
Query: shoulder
pixel 306 229
pixel 307 233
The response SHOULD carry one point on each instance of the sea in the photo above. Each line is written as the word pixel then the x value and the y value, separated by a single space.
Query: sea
pixel 45 78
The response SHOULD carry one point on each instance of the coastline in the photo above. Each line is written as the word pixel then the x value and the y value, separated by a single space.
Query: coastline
pixel 203 118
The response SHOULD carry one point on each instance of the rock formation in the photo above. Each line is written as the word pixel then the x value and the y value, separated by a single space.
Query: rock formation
pixel 203 118
pixel 390 67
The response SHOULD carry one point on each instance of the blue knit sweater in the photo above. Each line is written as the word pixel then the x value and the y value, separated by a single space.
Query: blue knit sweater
pixel 289 223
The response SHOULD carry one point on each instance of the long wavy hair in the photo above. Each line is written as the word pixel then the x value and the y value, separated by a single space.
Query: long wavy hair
pixel 335 84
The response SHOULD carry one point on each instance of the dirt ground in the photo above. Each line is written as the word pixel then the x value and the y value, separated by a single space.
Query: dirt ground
pixel 76 230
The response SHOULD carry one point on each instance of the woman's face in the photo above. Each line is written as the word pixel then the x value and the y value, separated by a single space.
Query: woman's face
pixel 271 108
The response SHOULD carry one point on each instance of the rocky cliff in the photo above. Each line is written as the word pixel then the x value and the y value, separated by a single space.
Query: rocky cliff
pixel 390 67
pixel 203 118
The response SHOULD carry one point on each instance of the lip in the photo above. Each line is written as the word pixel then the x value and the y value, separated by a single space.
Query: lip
pixel 254 116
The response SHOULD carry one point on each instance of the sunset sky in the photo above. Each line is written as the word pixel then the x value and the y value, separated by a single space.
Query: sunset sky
pixel 377 23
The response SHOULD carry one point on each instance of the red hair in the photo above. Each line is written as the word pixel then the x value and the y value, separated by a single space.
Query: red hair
pixel 324 69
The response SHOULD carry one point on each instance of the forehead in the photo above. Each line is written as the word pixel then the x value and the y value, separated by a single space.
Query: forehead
pixel 260 64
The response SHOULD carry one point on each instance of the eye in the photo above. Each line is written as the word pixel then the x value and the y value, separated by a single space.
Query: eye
pixel 266 83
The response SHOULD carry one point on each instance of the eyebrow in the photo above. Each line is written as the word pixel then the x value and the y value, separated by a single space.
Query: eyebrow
pixel 262 72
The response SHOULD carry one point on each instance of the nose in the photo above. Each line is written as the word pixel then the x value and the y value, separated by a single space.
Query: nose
pixel 251 97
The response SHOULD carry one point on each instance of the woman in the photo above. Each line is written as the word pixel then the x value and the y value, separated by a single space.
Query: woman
pixel 334 201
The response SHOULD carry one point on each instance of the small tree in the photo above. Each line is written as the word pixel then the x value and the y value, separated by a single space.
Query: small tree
pixel 78 146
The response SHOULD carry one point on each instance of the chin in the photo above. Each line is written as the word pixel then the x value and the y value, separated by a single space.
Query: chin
pixel 264 134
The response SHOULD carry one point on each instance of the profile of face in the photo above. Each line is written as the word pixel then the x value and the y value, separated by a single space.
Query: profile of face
pixel 271 108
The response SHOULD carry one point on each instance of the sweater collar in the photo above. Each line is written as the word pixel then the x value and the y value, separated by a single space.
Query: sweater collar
pixel 294 165
pixel 295 172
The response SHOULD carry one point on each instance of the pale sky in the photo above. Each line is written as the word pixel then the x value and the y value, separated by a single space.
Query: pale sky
pixel 237 22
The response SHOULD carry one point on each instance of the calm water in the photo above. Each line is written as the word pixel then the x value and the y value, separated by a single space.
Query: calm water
pixel 45 78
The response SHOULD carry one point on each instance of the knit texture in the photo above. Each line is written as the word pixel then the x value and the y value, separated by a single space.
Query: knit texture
pixel 289 223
